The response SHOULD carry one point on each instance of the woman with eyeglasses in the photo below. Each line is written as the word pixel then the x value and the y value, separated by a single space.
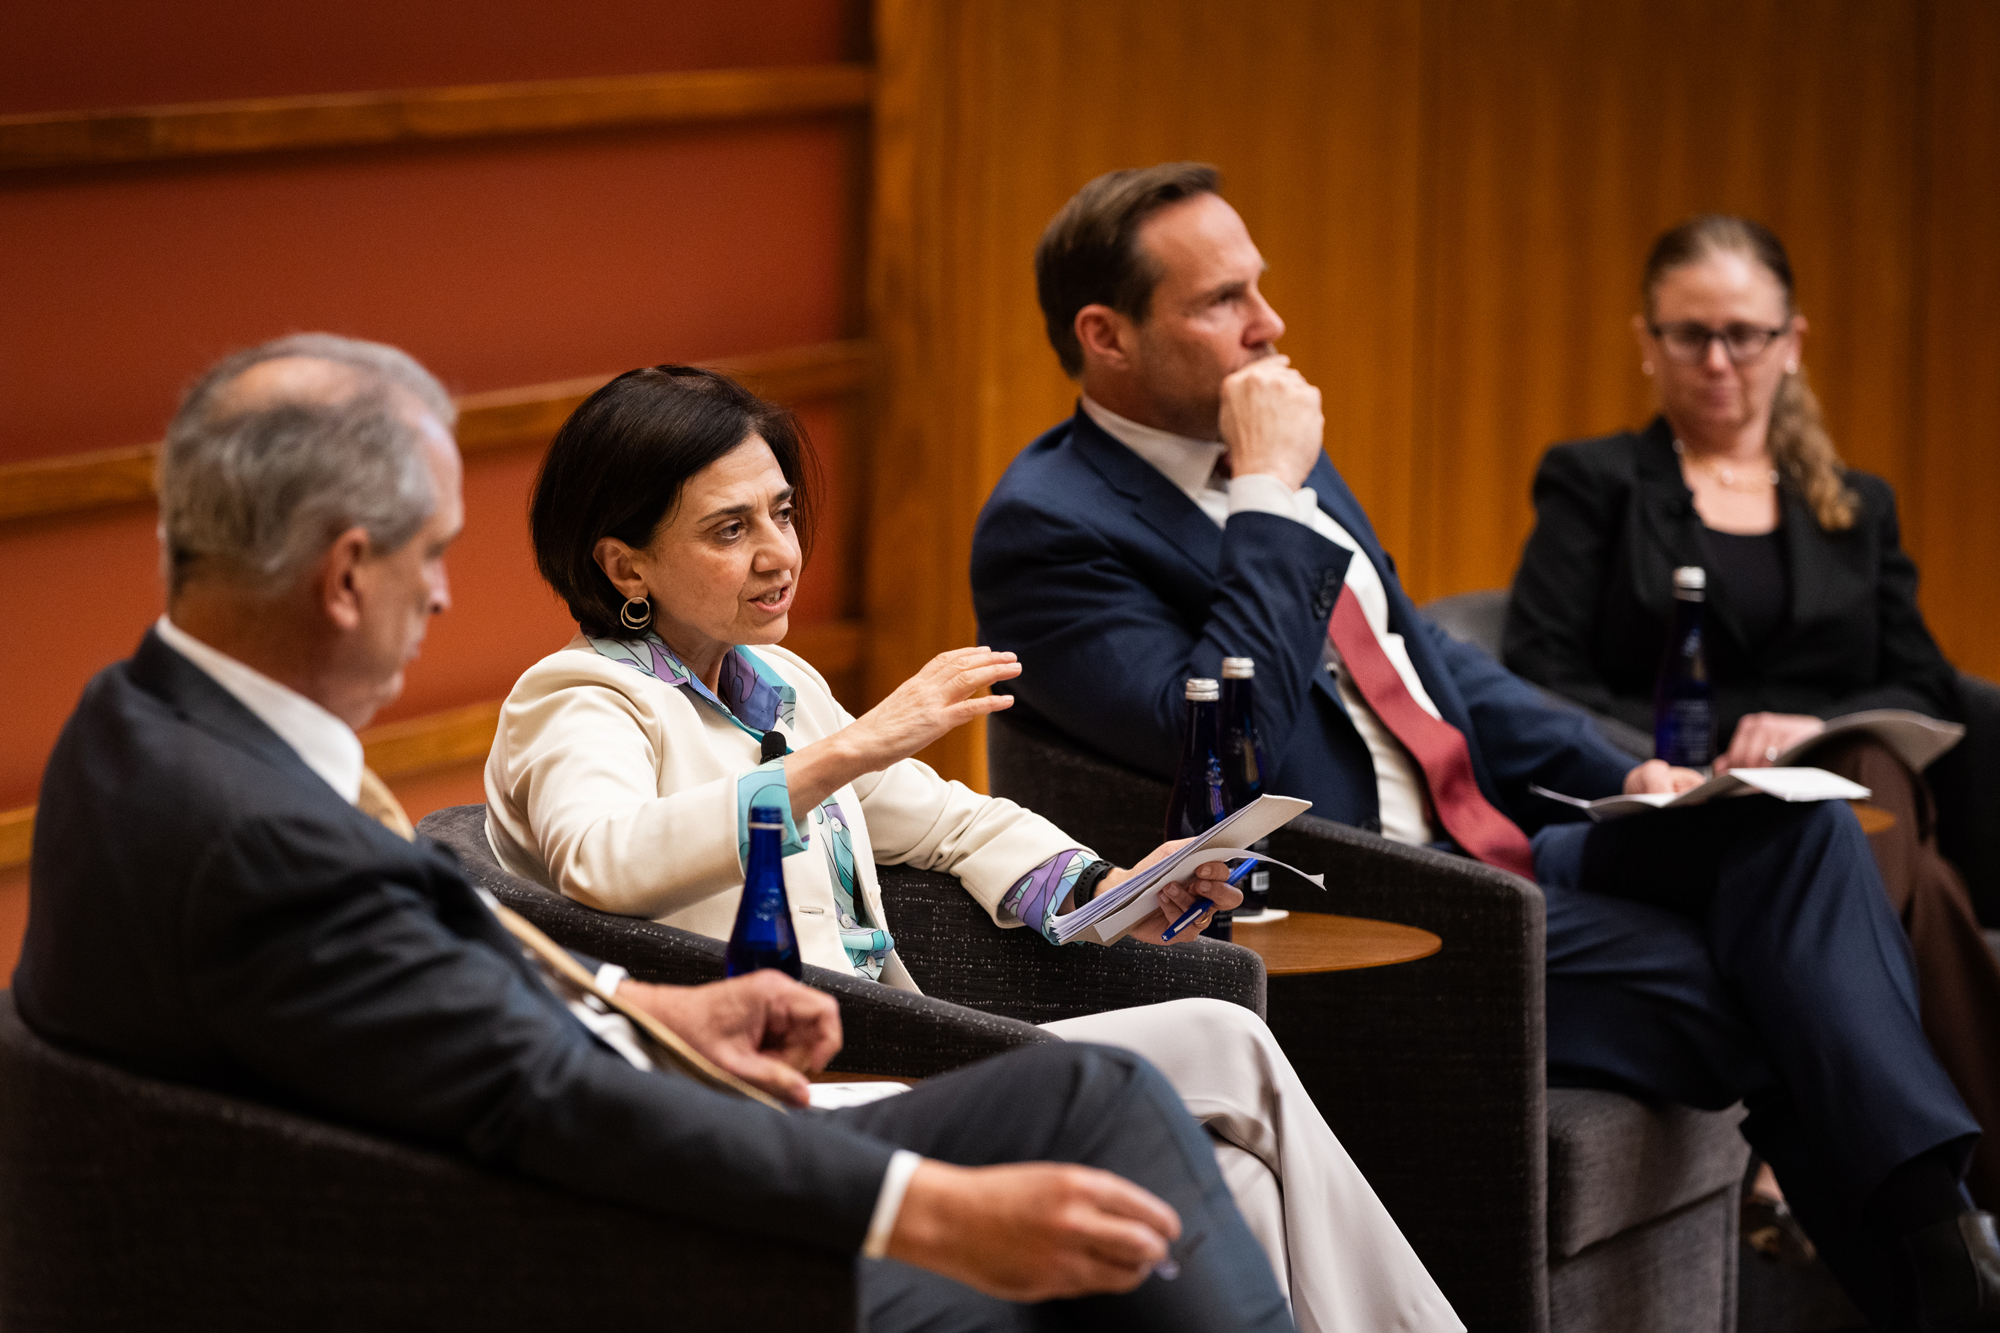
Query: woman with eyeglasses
pixel 1812 609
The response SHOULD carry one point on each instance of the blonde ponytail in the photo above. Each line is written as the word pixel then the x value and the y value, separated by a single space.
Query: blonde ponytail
pixel 1804 453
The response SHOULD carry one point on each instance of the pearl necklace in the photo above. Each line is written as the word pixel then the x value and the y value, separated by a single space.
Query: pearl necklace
pixel 1724 475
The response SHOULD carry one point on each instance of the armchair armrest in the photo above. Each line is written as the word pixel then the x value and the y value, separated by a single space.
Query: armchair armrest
pixel 136 1203
pixel 886 1031
pixel 1433 1073
pixel 955 952
pixel 1966 782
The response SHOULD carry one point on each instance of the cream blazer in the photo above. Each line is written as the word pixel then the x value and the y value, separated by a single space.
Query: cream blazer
pixel 621 792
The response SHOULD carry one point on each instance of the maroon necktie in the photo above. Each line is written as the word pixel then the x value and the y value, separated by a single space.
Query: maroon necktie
pixel 1438 747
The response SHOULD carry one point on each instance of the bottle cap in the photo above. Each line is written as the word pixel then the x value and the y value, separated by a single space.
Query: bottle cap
pixel 1238 668
pixel 1690 578
pixel 1202 690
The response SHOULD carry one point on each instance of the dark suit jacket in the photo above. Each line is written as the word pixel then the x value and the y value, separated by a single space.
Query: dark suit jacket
pixel 204 908
pixel 1114 588
pixel 1593 602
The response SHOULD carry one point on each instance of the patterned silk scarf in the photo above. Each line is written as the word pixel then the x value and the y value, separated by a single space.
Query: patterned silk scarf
pixel 756 699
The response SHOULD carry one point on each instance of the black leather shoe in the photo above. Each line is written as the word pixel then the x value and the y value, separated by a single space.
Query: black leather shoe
pixel 1957 1263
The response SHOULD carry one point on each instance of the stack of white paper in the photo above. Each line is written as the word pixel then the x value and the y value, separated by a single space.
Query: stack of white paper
pixel 1113 912
pixel 1787 784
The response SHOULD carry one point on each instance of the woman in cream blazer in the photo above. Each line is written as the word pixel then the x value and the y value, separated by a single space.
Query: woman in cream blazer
pixel 668 516
pixel 614 780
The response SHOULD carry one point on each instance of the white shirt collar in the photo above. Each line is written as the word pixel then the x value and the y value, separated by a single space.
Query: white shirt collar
pixel 329 746
pixel 1188 464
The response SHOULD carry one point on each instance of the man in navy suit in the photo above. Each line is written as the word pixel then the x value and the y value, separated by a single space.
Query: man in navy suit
pixel 1187 512
pixel 216 902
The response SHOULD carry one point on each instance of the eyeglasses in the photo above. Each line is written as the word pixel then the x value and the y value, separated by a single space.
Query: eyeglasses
pixel 1687 340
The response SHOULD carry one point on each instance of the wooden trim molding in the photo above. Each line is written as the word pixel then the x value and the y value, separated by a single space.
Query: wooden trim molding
pixel 510 418
pixel 456 736
pixel 464 735
pixel 349 120
pixel 17 833
pixel 506 418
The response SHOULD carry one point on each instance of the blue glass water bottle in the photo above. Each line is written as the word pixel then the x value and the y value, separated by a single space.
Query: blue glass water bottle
pixel 1201 788
pixel 1246 771
pixel 763 935
pixel 1683 707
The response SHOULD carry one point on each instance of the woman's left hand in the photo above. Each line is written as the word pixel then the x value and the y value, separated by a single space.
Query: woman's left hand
pixel 1761 737
pixel 1209 883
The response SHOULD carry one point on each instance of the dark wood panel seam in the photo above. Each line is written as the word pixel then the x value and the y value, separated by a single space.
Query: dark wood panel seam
pixel 345 120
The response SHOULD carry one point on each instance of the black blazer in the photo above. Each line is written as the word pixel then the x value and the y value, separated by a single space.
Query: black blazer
pixel 1593 601
pixel 205 909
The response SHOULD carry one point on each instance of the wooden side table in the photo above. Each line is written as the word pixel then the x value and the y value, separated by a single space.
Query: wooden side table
pixel 1874 819
pixel 1306 942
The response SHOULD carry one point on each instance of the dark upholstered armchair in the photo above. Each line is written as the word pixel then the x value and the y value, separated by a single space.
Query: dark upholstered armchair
pixel 129 1203
pixel 1965 780
pixel 984 987
pixel 1534 1208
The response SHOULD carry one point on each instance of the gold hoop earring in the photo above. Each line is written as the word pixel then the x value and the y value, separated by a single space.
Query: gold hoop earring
pixel 636 620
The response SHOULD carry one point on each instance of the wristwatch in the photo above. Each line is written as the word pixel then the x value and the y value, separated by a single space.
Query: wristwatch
pixel 1086 883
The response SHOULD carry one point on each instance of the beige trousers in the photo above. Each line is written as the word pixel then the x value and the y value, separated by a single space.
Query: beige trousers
pixel 1332 1244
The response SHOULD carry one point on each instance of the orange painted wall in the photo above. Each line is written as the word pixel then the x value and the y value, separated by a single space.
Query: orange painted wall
pixel 498 263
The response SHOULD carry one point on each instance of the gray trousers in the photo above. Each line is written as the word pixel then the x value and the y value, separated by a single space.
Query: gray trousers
pixel 1099 1107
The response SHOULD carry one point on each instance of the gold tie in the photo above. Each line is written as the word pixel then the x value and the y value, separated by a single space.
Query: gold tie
pixel 380 804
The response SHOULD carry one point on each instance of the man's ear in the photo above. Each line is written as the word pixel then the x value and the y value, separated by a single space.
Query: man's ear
pixel 339 579
pixel 614 557
pixel 1106 337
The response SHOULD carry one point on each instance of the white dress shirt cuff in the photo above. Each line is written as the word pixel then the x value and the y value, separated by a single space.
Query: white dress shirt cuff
pixel 608 977
pixel 889 1202
pixel 1262 493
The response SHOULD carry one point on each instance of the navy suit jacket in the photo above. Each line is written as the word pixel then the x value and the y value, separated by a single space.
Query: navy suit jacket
pixel 1114 587
pixel 204 908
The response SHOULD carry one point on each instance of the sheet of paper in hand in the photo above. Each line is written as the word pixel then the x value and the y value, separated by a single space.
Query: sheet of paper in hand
pixel 1913 738
pixel 1787 784
pixel 1113 912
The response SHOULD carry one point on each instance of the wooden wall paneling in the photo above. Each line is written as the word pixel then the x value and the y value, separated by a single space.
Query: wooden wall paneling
pixel 1566 137
pixel 347 120
pixel 988 116
pixel 916 476
pixel 1949 514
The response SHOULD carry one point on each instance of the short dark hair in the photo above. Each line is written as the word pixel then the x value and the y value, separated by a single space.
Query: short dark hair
pixel 617 468
pixel 1089 254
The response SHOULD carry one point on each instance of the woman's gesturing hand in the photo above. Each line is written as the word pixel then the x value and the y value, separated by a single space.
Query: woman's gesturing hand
pixel 947 693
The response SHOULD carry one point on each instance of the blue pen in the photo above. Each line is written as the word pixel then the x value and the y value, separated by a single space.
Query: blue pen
pixel 1187 918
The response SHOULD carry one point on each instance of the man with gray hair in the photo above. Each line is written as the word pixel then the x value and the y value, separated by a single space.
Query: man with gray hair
pixel 222 894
